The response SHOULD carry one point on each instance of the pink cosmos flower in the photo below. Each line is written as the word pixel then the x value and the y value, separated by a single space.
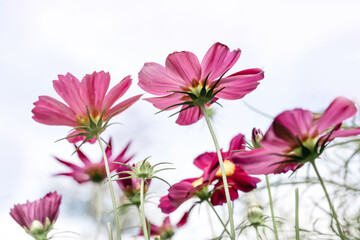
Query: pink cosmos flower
pixel 90 171
pixel 38 217
pixel 238 179
pixel 166 230
pixel 89 107
pixel 296 137
pixel 186 82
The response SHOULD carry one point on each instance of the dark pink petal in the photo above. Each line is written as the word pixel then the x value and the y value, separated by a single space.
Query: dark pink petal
pixel 242 181
pixel 166 206
pixel 219 198
pixel 154 78
pixel 342 133
pixel 166 101
pixel 205 160
pixel 166 223
pixel 68 87
pixel 83 157
pixel 259 161
pixel 116 92
pixel 288 128
pixel 52 112
pixel 93 89
pixel 237 143
pixel 183 66
pixel 122 106
pixel 189 116
pixel 338 111
pixel 239 84
pixel 183 220
pixel 217 60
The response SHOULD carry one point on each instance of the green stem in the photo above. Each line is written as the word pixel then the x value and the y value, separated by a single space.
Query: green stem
pixel 297 231
pixel 271 208
pixel 334 215
pixel 142 210
pixel 217 215
pixel 257 233
pixel 112 193
pixel 109 231
pixel 226 187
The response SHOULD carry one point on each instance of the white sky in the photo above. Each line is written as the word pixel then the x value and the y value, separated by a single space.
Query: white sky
pixel 310 53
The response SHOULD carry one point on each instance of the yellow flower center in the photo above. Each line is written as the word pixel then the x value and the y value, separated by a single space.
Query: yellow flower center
pixel 308 143
pixel 229 169
pixel 83 120
pixel 197 182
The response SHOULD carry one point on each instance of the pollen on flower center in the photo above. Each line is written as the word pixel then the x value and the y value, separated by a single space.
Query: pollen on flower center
pixel 197 182
pixel 229 169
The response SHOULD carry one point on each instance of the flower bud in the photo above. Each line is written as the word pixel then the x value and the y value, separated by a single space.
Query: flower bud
pixel 255 215
pixel 143 169
pixel 256 137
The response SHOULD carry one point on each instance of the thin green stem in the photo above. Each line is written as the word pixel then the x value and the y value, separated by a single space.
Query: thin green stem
pixel 112 193
pixel 334 215
pixel 217 215
pixel 257 233
pixel 271 208
pixel 297 231
pixel 142 210
pixel 221 162
pixel 109 231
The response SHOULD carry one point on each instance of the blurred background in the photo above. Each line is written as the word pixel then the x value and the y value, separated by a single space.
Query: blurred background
pixel 310 52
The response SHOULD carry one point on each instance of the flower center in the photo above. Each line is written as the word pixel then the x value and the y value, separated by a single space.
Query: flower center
pixel 229 169
pixel 83 120
pixel 197 182
pixel 307 148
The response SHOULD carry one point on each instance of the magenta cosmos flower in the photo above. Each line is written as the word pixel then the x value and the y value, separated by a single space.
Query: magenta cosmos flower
pixel 296 137
pixel 186 82
pixel 89 107
pixel 90 171
pixel 38 217
pixel 238 179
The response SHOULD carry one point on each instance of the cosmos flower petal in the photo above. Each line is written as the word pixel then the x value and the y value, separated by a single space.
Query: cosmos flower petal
pixel 342 133
pixel 184 66
pixel 166 206
pixel 154 78
pixel 120 107
pixel 68 88
pixel 217 60
pixel 242 181
pixel 338 111
pixel 237 143
pixel 204 160
pixel 219 198
pixel 93 88
pixel 116 92
pixel 239 84
pixel 165 101
pixel 52 112
pixel 189 116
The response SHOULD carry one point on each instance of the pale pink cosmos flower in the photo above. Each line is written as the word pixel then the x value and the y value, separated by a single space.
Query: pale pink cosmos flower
pixel 296 137
pixel 186 82
pixel 38 217
pixel 89 106
pixel 93 171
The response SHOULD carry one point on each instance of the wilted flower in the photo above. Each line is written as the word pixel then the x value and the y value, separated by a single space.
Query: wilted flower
pixel 90 171
pixel 38 217
pixel 88 108
pixel 296 137
pixel 187 83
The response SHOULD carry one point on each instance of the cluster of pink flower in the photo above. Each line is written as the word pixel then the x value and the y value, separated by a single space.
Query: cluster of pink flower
pixel 295 137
